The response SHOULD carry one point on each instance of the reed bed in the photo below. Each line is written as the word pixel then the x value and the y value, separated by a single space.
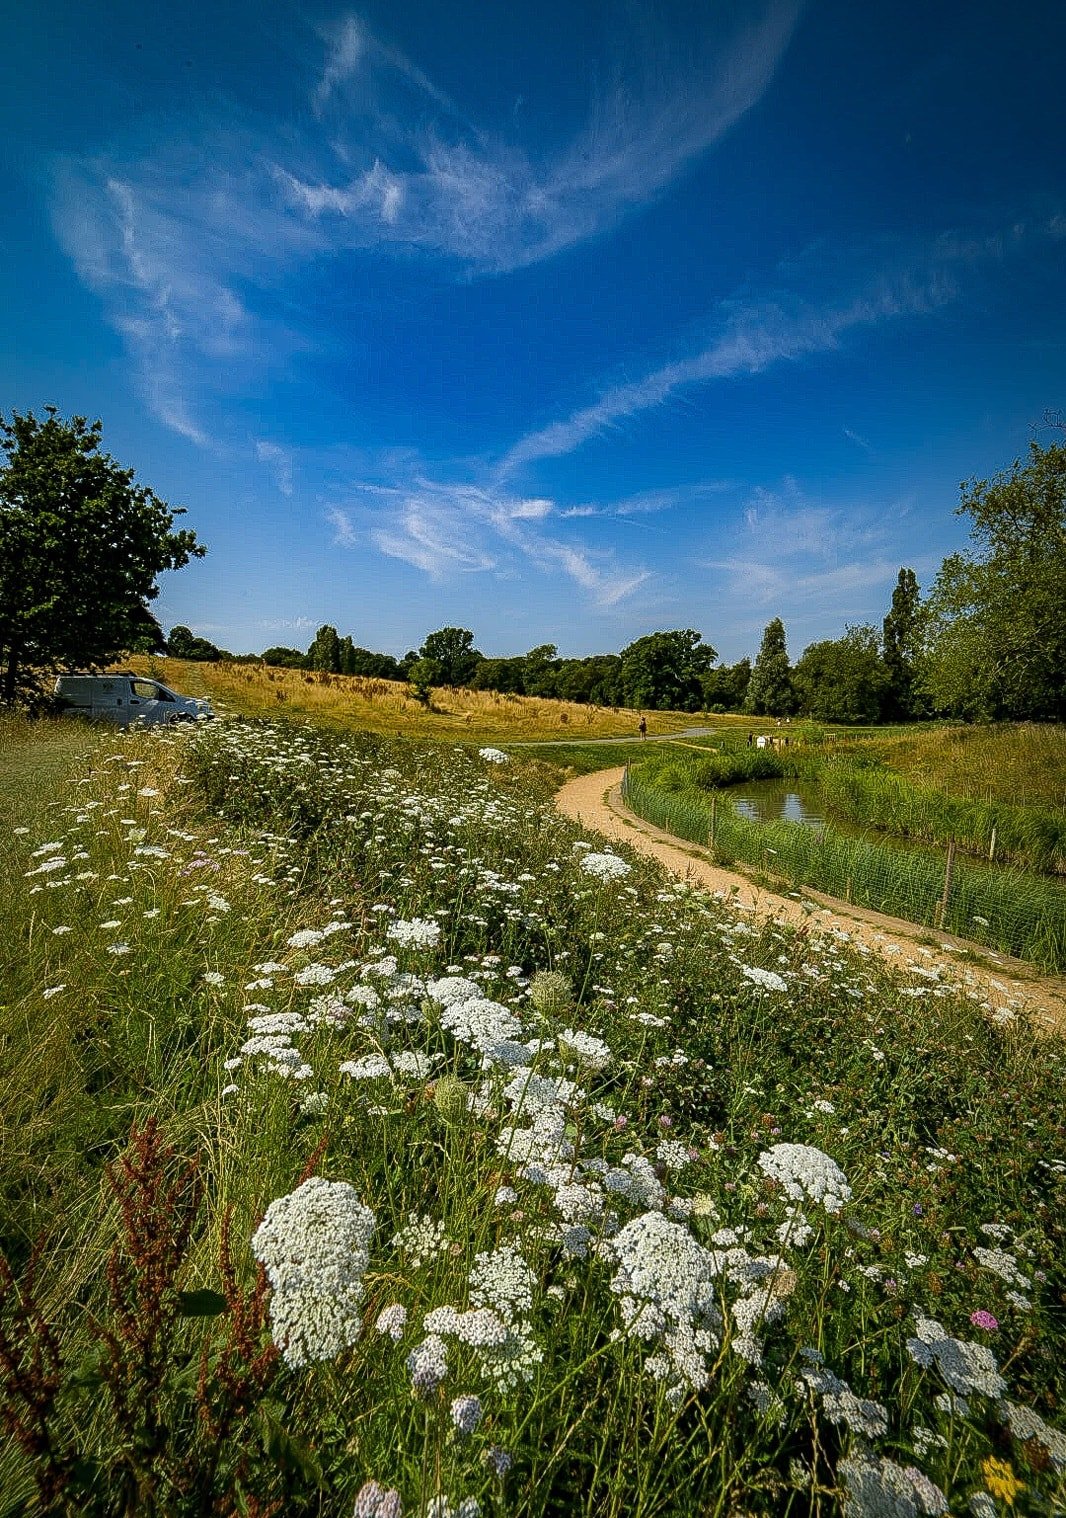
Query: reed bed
pixel 1005 909
pixel 1026 835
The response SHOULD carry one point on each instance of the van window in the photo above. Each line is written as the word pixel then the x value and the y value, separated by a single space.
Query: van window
pixel 148 690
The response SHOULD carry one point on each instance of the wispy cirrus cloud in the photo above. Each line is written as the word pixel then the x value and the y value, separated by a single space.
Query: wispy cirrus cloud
pixel 445 530
pixel 496 204
pixel 751 340
pixel 344 533
pixel 280 461
pixel 789 550
pixel 193 239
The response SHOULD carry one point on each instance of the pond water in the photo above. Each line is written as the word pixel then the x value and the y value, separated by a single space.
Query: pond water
pixel 778 801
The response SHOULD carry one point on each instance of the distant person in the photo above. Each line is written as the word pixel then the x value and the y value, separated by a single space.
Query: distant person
pixel 751 739
pixel 643 729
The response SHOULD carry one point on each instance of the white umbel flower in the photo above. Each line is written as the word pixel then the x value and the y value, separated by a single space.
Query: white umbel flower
pixel 417 933
pixel 314 1245
pixel 806 1174
pixel 966 1367
pixel 605 867
pixel 665 1285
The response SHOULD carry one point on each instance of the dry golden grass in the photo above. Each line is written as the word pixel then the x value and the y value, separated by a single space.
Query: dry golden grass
pixel 1021 762
pixel 386 706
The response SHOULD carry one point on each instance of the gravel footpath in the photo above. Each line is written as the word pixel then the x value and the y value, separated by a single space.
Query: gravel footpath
pixel 1008 985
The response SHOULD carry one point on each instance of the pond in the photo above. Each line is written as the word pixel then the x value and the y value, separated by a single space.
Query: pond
pixel 778 801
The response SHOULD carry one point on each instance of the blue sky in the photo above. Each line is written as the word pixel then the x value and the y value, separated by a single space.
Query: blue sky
pixel 561 322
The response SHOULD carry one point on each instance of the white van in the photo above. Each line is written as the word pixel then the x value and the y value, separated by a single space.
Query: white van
pixel 126 698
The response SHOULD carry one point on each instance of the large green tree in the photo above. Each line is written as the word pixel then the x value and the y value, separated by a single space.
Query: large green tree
pixel 725 686
pixel 452 650
pixel 997 640
pixel 665 670
pixel 770 692
pixel 325 652
pixel 81 546
pixel 842 679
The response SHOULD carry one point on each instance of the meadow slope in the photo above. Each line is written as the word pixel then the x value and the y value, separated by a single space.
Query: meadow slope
pixel 390 1144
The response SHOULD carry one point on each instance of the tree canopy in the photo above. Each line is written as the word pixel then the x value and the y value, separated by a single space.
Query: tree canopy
pixel 901 634
pixel 81 546
pixel 997 641
pixel 842 679
pixel 452 649
pixel 770 691
pixel 664 671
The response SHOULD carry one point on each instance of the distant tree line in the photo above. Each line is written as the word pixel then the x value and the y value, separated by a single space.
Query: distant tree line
pixel 987 643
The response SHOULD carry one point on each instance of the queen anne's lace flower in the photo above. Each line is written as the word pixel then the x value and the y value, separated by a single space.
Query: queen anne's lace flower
pixel 392 1320
pixel 665 1285
pixel 372 1067
pixel 966 1367
pixel 806 1175
pixel 585 1049
pixel 841 1405
pixel 376 1501
pixel 1026 1425
pixel 493 755
pixel 879 1488
pixel 418 933
pixel 466 1413
pixel 768 979
pixel 428 1364
pixel 605 867
pixel 480 1022
pixel 421 1239
pixel 314 1245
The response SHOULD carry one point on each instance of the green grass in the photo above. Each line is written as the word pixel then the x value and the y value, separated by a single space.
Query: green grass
pixel 722 1040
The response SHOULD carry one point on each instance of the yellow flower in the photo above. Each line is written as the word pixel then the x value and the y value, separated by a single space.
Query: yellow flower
pixel 1001 1480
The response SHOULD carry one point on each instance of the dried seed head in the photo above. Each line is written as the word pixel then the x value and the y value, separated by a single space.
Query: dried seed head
pixel 551 993
pixel 449 1098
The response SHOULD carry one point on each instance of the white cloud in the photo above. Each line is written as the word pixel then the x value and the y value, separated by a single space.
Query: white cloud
pixel 347 49
pixel 494 205
pixel 286 624
pixel 446 530
pixel 344 534
pixel 751 340
pixel 280 460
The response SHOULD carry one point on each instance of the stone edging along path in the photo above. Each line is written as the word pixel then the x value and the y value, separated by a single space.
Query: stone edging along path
pixel 1009 986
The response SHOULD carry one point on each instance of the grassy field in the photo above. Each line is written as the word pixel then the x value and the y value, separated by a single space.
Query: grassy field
pixel 374 1142
pixel 1019 763
pixel 350 703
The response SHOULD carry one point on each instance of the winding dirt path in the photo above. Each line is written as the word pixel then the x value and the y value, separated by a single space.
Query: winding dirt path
pixel 1007 984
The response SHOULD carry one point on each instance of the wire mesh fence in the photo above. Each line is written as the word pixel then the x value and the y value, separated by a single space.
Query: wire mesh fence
pixel 1010 910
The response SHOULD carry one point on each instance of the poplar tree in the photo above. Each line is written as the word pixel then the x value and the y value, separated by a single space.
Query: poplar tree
pixel 770 691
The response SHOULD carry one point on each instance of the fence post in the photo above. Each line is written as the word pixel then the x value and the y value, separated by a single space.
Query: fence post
pixel 625 781
pixel 714 821
pixel 992 846
pixel 949 870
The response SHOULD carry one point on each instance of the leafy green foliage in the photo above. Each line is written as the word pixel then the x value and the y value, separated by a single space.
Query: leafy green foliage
pixel 665 670
pixel 770 692
pixel 325 652
pixel 998 630
pixel 80 549
pixel 452 650
pixel 842 679
pixel 901 636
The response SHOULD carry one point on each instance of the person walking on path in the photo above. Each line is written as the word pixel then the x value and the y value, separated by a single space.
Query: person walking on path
pixel 643 728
